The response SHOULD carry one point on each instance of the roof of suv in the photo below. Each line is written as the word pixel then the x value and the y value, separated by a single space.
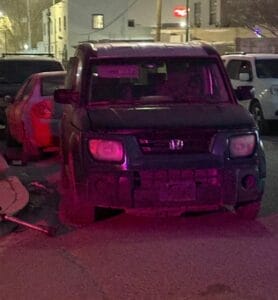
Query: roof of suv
pixel 147 49
pixel 27 57
pixel 252 55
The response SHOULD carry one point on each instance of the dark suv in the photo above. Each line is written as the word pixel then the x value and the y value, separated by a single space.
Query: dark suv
pixel 156 126
pixel 16 68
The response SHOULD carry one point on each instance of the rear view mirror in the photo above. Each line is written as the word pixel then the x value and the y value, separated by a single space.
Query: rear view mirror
pixel 244 92
pixel 66 96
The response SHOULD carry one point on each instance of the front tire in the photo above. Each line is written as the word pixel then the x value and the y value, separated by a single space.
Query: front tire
pixel 10 141
pixel 257 112
pixel 30 151
pixel 75 207
pixel 248 211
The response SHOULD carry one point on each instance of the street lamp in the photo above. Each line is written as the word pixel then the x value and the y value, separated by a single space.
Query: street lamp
pixel 48 30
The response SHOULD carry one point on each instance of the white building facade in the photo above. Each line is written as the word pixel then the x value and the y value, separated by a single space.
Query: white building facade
pixel 70 22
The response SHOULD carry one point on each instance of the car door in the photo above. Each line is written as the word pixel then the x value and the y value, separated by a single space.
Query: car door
pixel 72 83
pixel 235 67
pixel 15 116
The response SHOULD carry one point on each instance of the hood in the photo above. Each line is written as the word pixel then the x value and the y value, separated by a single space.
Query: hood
pixel 170 116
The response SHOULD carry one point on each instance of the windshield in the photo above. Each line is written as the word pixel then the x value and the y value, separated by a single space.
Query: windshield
pixel 267 68
pixel 17 71
pixel 168 79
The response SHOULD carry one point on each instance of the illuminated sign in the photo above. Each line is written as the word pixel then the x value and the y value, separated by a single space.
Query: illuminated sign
pixel 180 11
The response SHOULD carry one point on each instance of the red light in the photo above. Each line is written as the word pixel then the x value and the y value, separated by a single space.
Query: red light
pixel 43 110
pixel 180 11
pixel 106 150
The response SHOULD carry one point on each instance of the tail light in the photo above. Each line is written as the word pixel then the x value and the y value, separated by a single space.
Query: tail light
pixel 242 146
pixel 43 110
pixel 107 150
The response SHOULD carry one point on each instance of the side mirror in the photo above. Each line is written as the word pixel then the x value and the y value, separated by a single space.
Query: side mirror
pixel 244 92
pixel 8 99
pixel 66 96
pixel 244 76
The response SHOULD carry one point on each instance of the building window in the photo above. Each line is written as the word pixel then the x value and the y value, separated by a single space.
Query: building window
pixel 212 11
pixel 60 24
pixel 97 21
pixel 197 14
pixel 131 23
pixel 65 23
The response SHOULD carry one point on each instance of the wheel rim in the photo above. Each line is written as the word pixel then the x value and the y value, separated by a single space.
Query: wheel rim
pixel 258 116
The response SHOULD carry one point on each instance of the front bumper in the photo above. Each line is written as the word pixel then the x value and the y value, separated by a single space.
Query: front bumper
pixel 167 180
pixel 175 188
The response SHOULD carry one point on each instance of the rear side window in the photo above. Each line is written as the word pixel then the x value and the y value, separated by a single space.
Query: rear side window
pixel 234 67
pixel 17 71
pixel 267 68
pixel 50 84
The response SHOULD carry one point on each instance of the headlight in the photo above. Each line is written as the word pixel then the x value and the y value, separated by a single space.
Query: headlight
pixel 242 146
pixel 274 90
pixel 106 150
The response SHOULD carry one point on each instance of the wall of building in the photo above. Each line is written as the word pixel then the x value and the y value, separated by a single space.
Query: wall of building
pixel 257 45
pixel 79 13
pixel 143 15
pixel 55 22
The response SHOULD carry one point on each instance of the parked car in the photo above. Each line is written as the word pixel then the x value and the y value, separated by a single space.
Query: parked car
pixel 15 68
pixel 156 126
pixel 260 72
pixel 33 118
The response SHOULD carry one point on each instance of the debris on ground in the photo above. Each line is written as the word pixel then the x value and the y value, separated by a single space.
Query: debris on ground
pixel 37 187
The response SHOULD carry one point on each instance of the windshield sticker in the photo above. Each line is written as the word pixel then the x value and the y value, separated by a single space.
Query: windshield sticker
pixel 118 71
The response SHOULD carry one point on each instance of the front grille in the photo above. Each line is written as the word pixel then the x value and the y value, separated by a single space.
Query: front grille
pixel 193 142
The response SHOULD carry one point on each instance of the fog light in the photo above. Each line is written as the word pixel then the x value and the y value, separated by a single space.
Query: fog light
pixel 248 182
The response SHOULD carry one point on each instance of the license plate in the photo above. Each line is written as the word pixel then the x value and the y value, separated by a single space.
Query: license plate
pixel 178 191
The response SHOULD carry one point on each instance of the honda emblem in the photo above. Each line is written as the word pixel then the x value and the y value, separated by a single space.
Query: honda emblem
pixel 176 144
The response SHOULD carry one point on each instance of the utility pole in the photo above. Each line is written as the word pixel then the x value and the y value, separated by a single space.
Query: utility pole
pixel 187 21
pixel 48 30
pixel 6 45
pixel 29 24
pixel 158 20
